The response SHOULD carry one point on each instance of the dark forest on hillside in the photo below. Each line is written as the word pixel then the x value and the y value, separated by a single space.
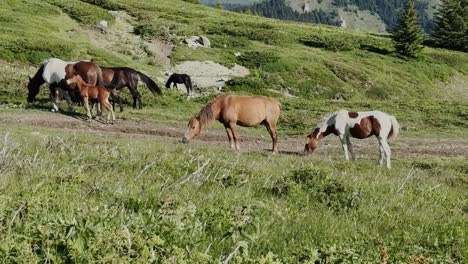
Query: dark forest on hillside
pixel 389 11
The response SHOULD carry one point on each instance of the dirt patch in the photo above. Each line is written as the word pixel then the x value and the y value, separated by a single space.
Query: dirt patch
pixel 207 76
pixel 120 38
pixel 329 147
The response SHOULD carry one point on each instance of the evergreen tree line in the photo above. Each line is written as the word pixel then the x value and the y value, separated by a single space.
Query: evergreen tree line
pixel 451 28
pixel 280 10
pixel 390 11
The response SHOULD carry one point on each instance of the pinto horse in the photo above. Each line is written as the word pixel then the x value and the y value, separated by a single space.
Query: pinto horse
pixel 87 91
pixel 358 125
pixel 233 110
pixel 120 77
pixel 180 78
pixel 52 72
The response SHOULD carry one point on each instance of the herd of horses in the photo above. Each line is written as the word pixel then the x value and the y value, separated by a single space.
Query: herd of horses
pixel 98 84
pixel 54 72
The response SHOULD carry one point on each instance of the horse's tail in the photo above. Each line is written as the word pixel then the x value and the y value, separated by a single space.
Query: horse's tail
pixel 154 88
pixel 100 80
pixel 189 83
pixel 395 130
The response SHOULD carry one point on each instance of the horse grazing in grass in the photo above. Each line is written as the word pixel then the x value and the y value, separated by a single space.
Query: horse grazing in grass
pixel 233 110
pixel 180 78
pixel 120 77
pixel 52 72
pixel 358 125
pixel 88 91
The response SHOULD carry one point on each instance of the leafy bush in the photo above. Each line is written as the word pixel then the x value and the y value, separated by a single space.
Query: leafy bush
pixel 256 59
pixel 34 50
pixel 106 4
pixel 332 192
pixel 333 42
pixel 263 32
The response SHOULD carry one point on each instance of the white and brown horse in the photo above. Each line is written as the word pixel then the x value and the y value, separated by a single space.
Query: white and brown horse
pixel 358 125
pixel 233 110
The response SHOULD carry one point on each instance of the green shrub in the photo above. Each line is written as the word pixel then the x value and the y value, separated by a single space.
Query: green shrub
pixel 256 59
pixel 333 42
pixel 330 191
pixel 106 4
pixel 85 13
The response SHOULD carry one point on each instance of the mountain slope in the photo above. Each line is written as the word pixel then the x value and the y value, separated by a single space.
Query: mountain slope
pixel 367 15
pixel 73 191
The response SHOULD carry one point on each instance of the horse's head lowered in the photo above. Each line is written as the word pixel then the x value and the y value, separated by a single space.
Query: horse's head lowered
pixel 312 142
pixel 193 129
pixel 33 89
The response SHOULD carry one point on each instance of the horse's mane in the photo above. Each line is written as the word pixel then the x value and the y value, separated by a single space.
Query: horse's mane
pixel 328 120
pixel 206 114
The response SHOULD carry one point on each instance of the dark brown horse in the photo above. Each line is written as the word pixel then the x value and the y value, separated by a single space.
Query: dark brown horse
pixel 120 77
pixel 233 110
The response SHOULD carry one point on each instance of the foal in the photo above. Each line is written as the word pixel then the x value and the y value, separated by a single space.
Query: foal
pixel 87 91
pixel 358 125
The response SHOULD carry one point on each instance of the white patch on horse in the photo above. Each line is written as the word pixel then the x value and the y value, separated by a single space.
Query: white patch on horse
pixel 54 72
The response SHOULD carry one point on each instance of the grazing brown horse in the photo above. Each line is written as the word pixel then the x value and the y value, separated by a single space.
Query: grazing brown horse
pixel 233 110
pixel 120 77
pixel 87 91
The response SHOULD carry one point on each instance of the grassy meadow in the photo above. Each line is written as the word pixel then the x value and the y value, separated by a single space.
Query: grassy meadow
pixel 85 196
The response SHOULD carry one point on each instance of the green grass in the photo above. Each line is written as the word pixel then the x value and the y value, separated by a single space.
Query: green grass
pixel 89 197
pixel 69 196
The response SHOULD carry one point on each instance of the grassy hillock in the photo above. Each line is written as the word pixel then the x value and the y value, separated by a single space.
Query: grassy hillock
pixel 74 196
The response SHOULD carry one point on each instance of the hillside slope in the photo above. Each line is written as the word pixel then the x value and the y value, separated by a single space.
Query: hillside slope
pixel 78 191
pixel 311 62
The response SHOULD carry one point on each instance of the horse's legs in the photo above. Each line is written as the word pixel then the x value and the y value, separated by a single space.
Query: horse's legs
pixel 135 85
pixel 86 106
pixel 350 148
pixel 388 152
pixel 381 152
pixel 116 97
pixel 135 94
pixel 188 86
pixel 110 111
pixel 345 146
pixel 66 96
pixel 235 134
pixel 274 136
pixel 53 96
pixel 230 135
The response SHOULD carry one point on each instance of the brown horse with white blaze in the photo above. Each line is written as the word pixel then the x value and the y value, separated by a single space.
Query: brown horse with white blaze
pixel 233 110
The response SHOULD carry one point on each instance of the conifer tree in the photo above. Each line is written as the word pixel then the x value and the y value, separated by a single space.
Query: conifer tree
pixel 408 35
pixel 451 28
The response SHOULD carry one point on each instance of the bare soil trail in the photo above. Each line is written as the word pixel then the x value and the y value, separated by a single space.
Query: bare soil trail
pixel 404 146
